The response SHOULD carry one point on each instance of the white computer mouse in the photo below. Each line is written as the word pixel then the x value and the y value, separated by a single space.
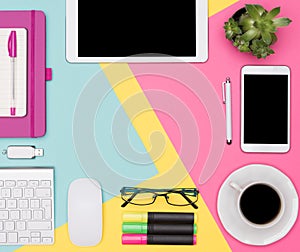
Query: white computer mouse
pixel 85 212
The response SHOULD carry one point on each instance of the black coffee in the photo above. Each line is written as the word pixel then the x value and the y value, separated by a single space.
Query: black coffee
pixel 260 204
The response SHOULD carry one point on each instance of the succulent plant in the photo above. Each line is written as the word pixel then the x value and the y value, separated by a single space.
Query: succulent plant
pixel 254 30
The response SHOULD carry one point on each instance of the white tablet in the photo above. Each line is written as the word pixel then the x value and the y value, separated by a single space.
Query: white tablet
pixel 265 109
pixel 136 31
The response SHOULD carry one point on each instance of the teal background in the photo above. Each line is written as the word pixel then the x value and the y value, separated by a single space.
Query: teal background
pixel 62 94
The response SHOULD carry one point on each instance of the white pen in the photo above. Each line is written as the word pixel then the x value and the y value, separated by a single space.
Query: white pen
pixel 12 52
pixel 226 91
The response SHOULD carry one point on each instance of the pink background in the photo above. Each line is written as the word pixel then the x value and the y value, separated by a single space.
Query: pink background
pixel 225 60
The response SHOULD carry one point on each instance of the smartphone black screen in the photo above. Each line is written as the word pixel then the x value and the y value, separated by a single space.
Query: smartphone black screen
pixel 266 108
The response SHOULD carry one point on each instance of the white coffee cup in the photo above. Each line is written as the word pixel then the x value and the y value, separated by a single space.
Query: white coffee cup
pixel 241 191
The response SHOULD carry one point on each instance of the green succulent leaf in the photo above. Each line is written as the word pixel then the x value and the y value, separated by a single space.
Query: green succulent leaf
pixel 246 22
pixel 250 34
pixel 279 22
pixel 274 38
pixel 265 26
pixel 229 34
pixel 266 37
pixel 252 11
pixel 244 48
pixel 273 13
pixel 271 27
pixel 260 9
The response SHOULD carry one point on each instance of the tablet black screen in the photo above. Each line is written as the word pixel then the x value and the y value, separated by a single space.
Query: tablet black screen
pixel 120 28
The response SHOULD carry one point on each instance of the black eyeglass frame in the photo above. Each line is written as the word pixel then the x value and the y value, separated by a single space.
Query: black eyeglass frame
pixel 184 192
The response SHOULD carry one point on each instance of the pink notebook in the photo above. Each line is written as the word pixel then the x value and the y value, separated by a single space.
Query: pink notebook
pixel 33 124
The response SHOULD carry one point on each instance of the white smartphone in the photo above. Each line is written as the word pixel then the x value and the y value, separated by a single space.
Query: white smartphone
pixel 265 109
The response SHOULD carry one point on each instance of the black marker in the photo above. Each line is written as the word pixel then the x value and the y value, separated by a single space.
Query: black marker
pixel 170 229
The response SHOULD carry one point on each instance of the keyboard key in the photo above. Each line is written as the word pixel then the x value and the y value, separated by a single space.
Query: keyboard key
pixel 2 204
pixel 4 215
pixel 24 240
pixel 2 237
pixel 45 183
pixel 48 213
pixel 1 183
pixel 26 214
pixel 39 225
pixel 35 234
pixel 37 215
pixel 43 192
pixel 9 225
pixel 5 193
pixel 15 215
pixel 35 203
pixel 1 225
pixel 17 193
pixel 36 240
pixel 11 204
pixel 28 192
pixel 23 204
pixel 21 225
pixel 33 183
pixel 10 183
pixel 47 240
pixel 21 183
pixel 12 237
pixel 46 204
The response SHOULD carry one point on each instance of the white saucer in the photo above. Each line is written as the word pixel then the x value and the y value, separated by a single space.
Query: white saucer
pixel 229 215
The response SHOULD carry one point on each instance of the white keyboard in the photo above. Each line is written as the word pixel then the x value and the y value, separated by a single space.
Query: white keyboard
pixel 26 206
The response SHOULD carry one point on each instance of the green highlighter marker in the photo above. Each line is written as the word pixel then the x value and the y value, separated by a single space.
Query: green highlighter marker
pixel 156 228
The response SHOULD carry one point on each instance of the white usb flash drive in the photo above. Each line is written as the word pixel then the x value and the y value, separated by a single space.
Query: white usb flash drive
pixel 23 152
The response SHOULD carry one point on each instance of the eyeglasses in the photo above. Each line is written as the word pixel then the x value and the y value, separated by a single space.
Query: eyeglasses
pixel 147 196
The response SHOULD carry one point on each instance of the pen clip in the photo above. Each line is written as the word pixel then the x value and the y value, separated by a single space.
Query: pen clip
pixel 223 92
pixel 223 89
pixel 12 44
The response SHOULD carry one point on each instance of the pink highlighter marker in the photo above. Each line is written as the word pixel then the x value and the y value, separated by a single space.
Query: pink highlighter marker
pixel 12 52
pixel 143 239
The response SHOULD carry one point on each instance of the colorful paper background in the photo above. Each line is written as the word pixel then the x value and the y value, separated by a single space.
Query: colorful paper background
pixel 68 85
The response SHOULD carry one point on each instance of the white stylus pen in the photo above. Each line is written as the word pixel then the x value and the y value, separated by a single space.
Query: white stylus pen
pixel 226 91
